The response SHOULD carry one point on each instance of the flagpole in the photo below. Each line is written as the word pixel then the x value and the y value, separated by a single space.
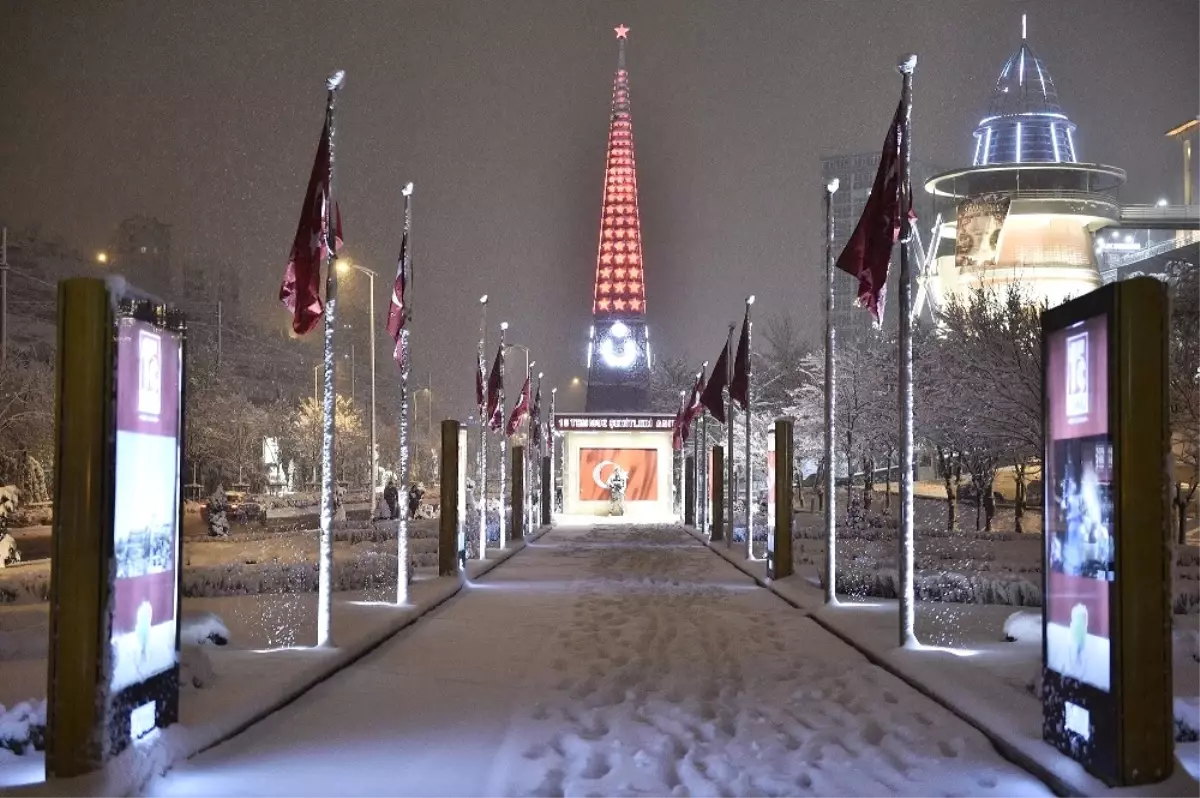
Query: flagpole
pixel 907 609
pixel 527 497
pixel 748 414
pixel 503 436
pixel 535 455
pixel 403 466
pixel 553 498
pixel 830 402
pixel 328 428
pixel 680 458
pixel 727 510
pixel 482 465
pixel 704 474
pixel 696 495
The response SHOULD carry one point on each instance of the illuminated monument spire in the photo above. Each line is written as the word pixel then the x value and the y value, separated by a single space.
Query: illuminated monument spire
pixel 618 344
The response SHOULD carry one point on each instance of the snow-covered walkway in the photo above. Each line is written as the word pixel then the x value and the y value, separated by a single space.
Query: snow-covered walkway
pixel 611 660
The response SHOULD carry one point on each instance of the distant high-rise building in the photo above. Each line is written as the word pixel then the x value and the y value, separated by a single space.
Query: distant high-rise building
pixel 856 175
pixel 141 252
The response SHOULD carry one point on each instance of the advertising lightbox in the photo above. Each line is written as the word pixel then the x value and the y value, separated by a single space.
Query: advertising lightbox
pixel 113 664
pixel 1106 683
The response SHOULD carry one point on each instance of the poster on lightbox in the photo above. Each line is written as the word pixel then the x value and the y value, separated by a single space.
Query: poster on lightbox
pixel 146 509
pixel 980 225
pixel 1080 534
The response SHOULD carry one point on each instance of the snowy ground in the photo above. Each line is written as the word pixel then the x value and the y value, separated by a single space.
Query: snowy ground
pixel 605 661
pixel 968 661
pixel 241 681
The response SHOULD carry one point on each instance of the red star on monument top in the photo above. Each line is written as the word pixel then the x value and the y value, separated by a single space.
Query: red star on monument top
pixel 622 31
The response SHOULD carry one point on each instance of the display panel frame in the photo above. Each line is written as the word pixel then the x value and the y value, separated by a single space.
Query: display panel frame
pixel 1123 735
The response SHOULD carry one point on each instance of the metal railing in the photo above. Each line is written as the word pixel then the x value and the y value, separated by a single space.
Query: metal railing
pixel 1179 242
pixel 1183 215
pixel 1064 193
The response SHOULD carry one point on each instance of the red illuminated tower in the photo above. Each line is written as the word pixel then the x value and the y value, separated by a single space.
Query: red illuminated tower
pixel 618 343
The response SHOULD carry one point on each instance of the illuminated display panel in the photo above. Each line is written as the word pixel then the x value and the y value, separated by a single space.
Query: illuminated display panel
pixel 1080 533
pixel 146 502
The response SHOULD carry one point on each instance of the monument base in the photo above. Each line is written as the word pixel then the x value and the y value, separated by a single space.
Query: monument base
pixel 595 444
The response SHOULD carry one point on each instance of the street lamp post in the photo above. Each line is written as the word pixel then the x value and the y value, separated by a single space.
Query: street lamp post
pixel 371 321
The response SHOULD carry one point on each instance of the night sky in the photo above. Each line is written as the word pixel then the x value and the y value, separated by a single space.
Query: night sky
pixel 206 116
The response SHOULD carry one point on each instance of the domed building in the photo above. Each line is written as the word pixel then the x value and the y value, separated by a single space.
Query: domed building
pixel 1027 207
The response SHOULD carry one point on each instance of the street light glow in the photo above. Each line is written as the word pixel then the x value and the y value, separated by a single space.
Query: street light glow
pixel 102 257
pixel 483 299
pixel 1162 202
pixel 574 380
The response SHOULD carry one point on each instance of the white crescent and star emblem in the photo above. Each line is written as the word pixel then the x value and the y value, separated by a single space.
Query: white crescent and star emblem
pixel 598 471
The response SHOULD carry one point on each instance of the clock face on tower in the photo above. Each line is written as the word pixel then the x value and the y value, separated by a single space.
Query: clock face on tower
pixel 618 348
pixel 618 366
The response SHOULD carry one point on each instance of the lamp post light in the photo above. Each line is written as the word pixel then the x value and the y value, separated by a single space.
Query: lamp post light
pixel 374 458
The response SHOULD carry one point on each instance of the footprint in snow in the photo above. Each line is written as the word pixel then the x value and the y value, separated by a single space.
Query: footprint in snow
pixel 872 734
pixel 950 748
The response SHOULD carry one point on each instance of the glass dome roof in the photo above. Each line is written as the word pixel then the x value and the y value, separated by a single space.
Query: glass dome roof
pixel 1024 122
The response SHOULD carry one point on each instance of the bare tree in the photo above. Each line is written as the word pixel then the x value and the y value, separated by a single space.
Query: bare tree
pixel 1184 385
pixel 991 354
pixel 26 423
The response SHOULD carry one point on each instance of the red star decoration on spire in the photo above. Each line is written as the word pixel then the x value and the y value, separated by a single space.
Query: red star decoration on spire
pixel 622 31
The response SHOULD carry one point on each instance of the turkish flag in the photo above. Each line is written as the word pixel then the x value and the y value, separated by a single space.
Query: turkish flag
pixel 397 309
pixel 301 289
pixel 868 253
pixel 535 416
pixel 480 379
pixel 520 409
pixel 712 397
pixel 495 387
pixel 739 386
pixel 694 407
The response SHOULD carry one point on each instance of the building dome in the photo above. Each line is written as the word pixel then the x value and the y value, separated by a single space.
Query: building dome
pixel 1024 122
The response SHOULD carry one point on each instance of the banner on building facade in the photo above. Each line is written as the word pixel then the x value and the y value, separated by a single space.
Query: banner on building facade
pixel 640 466
pixel 980 225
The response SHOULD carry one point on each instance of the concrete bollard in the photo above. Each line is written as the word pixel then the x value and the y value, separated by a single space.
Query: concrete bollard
pixel 718 493
pixel 779 541
pixel 451 494
pixel 518 492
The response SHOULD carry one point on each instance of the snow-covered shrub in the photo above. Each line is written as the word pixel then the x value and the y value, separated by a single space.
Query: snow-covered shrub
pixel 1023 626
pixel 32 480
pixel 9 553
pixel 203 628
pixel 10 496
pixel 218 506
pixel 20 586
pixel 23 727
